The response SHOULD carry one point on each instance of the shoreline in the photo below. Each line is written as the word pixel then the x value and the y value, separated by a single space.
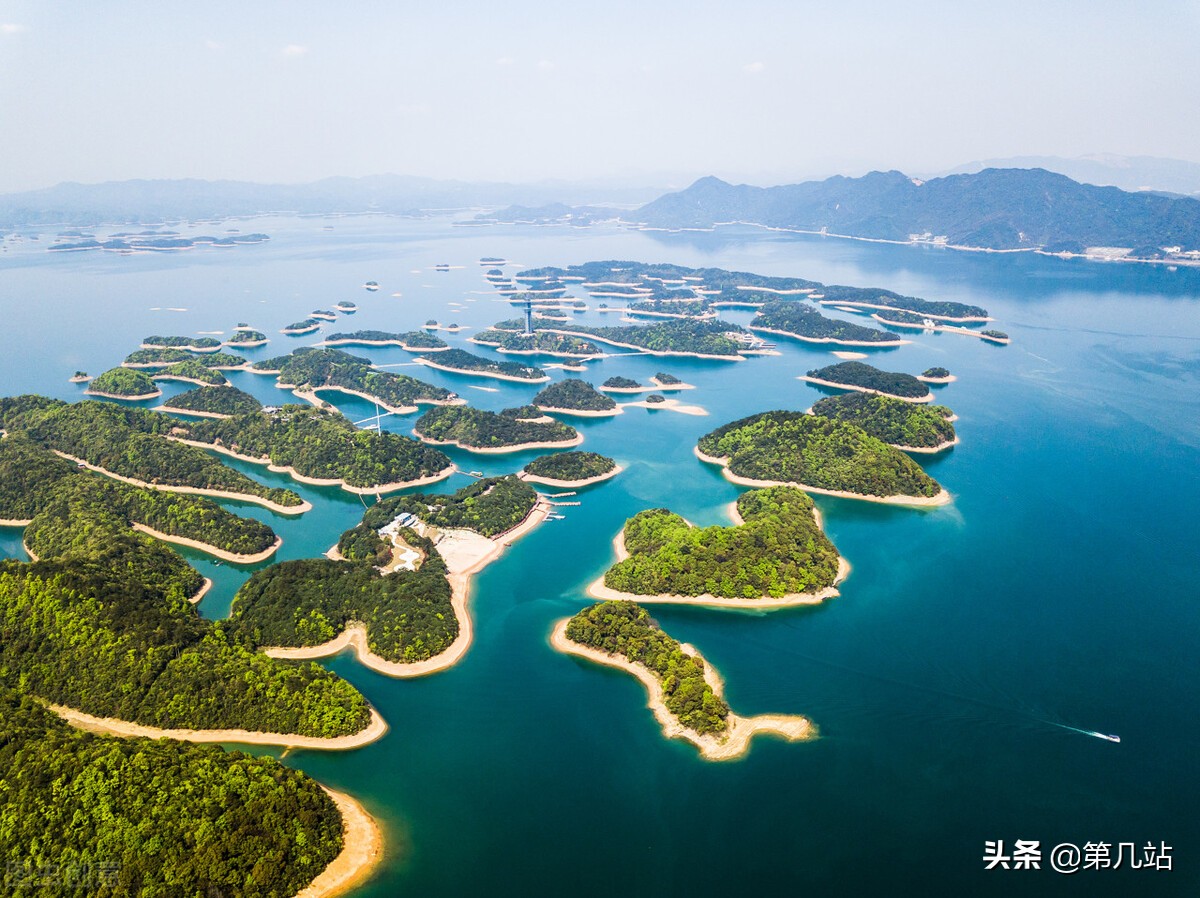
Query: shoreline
pixel 321 481
pixel 199 350
pixel 669 405
pixel 871 305
pixel 829 340
pixel 398 343
pixel 928 397
pixel 201 592
pixel 193 490
pixel 944 328
pixel 655 387
pixel 740 731
pixel 140 398
pixel 948 379
pixel 550 481
pixel 362 850
pixel 311 397
pixel 171 410
pixel 208 549
pixel 473 372
pixel 942 498
pixel 929 450
pixel 500 450
pixel 113 726
pixel 643 349
pixel 581 412
pixel 354 635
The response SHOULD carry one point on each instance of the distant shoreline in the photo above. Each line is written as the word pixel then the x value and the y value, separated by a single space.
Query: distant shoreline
pixel 928 397
pixel 829 340
pixel 550 481
pixel 474 372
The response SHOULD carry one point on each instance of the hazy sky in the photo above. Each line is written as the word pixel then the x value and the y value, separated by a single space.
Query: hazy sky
pixel 651 92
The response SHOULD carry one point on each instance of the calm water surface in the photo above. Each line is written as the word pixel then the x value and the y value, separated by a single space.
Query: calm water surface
pixel 1058 590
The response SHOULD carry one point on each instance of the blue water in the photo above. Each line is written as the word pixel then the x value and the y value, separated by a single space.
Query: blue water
pixel 1058 590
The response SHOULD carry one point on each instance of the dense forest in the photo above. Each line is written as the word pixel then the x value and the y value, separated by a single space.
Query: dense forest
pixel 199 343
pixel 243 335
pixel 123 382
pixel 793 447
pixel 106 817
pixel 461 360
pixel 131 442
pixel 860 374
pixel 538 341
pixel 894 421
pixel 215 401
pixel 689 308
pixel 161 358
pixel 408 614
pixel 408 339
pixel 490 506
pixel 878 297
pixel 574 394
pixel 523 412
pixel 682 335
pixel 363 543
pixel 101 623
pixel 322 444
pixel 627 630
pixel 304 326
pixel 618 382
pixel 314 369
pixel 802 320
pixel 570 465
pixel 475 428
pixel 191 370
pixel 936 372
pixel 779 549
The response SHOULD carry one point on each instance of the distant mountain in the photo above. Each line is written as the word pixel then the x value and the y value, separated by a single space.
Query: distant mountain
pixel 994 209
pixel 135 202
pixel 1126 172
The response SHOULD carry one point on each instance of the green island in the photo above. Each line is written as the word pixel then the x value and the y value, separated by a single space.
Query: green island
pixel 88 814
pixel 101 623
pixel 802 321
pixel 162 358
pixel 217 401
pixel 905 425
pixel 707 339
pixel 673 308
pixel 123 383
pixel 540 342
pixel 820 455
pixel 626 629
pixel 306 326
pixel 461 361
pixel 193 344
pixel 874 297
pixel 323 445
pixel 32 478
pixel 574 395
pixel 616 382
pixel 936 374
pixel 572 468
pixel 308 370
pixel 485 431
pixel 191 371
pixel 490 506
pixel 244 336
pixel 134 443
pixel 995 336
pixel 411 340
pixel 663 379
pixel 777 550
pixel 868 378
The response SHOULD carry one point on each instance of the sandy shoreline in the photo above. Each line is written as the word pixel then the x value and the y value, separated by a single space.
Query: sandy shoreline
pixel 734 743
pixel 362 850
pixel 114 727
pixel 193 490
pixel 154 395
pixel 200 350
pixel 655 387
pixel 201 592
pixel 644 350
pixel 354 636
pixel 929 450
pixel 851 355
pixel 321 481
pixel 833 340
pixel 499 450
pixel 948 379
pixel 942 498
pixel 669 405
pixel 549 481
pixel 211 550
pixel 172 410
pixel 15 522
pixel 869 305
pixel 476 373
pixel 928 397
pixel 581 412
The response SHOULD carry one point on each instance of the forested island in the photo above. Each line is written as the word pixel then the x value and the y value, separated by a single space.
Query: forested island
pixel 776 551
pixel 571 468
pixel 247 338
pixel 413 341
pixel 314 444
pixel 489 506
pixel 802 321
pixel 463 362
pixel 820 455
pixel 187 344
pixel 540 342
pixel 308 369
pixel 123 383
pixel 869 379
pixel 936 375
pixel 706 339
pixel 79 810
pixel 217 402
pixel 134 443
pixel 163 358
pixel 485 431
pixel 191 371
pixel 575 396
pixel 298 328
pixel 905 425
pixel 685 693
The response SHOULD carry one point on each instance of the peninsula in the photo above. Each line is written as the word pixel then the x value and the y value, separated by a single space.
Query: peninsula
pixel 905 425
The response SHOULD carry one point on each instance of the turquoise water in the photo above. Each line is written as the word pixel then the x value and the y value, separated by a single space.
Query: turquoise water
pixel 1057 590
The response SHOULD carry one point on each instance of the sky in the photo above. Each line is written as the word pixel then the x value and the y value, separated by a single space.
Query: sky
pixel 625 92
